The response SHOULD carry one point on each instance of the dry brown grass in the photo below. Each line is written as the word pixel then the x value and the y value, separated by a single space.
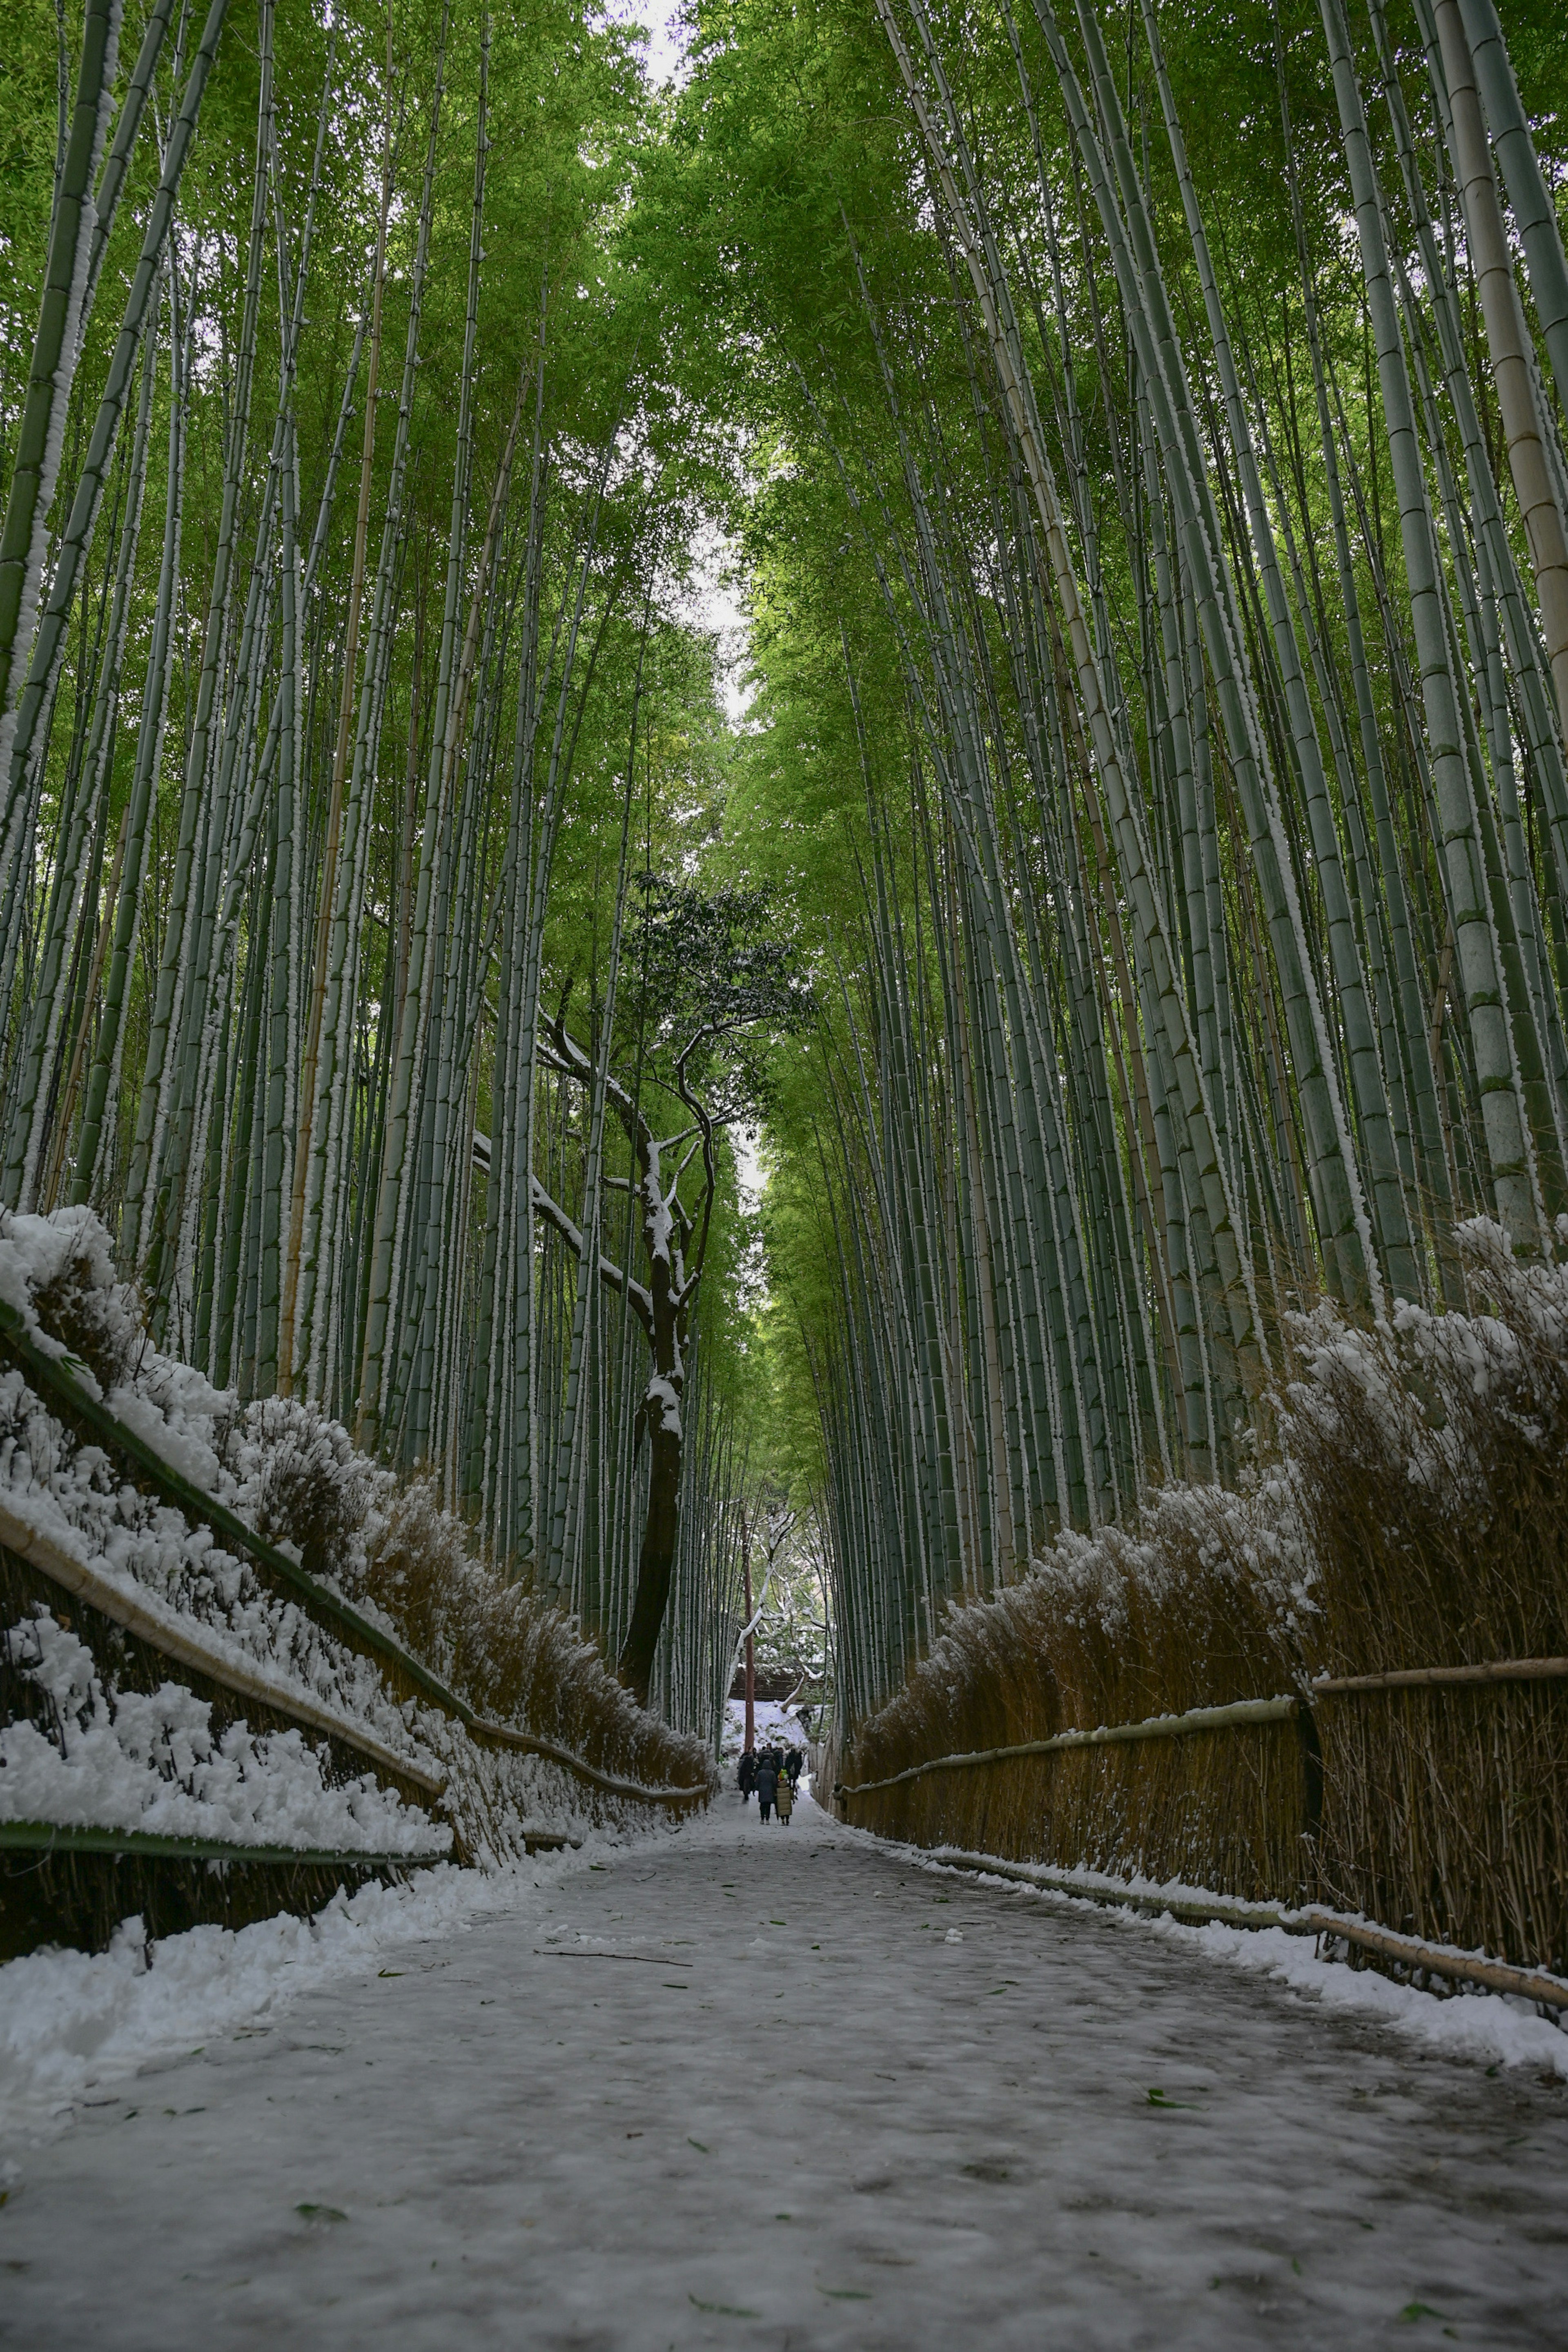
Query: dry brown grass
pixel 1176 1614
pixel 1416 1515
pixel 513 1658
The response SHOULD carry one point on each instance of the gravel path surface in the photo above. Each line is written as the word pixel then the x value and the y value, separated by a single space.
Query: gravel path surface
pixel 779 2089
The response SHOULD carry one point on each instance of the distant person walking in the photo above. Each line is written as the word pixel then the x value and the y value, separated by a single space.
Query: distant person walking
pixel 767 1783
pixel 748 1776
pixel 785 1798
pixel 794 1764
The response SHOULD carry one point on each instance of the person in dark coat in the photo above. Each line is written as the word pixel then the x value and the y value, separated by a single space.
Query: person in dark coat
pixel 794 1764
pixel 767 1783
pixel 747 1775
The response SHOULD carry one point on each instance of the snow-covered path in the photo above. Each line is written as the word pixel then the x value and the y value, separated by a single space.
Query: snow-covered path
pixel 780 2089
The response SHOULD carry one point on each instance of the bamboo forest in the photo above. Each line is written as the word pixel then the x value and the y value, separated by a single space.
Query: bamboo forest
pixel 783 1012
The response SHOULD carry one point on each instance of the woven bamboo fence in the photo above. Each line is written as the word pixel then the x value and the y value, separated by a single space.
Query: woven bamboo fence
pixel 77 1882
pixel 1430 1800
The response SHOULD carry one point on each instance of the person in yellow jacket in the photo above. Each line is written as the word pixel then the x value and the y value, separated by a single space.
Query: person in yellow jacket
pixel 785 1798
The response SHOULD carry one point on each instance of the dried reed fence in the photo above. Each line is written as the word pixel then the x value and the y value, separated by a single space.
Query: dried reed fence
pixel 1415 1517
pixel 487 1678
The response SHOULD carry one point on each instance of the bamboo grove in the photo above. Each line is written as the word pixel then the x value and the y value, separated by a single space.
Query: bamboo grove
pixel 334 629
pixel 1143 440
pixel 1191 563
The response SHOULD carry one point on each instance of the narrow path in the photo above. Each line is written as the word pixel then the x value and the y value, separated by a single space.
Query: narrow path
pixel 774 2088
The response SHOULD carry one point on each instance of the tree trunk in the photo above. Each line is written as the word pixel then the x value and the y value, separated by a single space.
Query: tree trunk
pixel 656 1563
pixel 751 1653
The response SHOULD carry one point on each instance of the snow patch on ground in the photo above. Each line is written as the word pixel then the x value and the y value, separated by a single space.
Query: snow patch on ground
pixel 1495 2029
pixel 72 2023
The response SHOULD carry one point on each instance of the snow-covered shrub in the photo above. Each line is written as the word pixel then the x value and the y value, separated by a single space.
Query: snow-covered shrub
pixel 304 1484
pixel 153 1761
pixel 1429 1463
pixel 1202 1601
pixel 58 1271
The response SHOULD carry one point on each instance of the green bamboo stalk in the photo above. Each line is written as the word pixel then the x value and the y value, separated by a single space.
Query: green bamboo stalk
pixel 75 890
pixel 401 1114
pixel 1507 1151
pixel 20 753
pixel 149 749
pixel 41 432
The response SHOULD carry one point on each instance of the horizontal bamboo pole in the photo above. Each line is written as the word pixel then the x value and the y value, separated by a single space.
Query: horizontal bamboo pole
pixel 154 1622
pixel 1504 1670
pixel 1461 1968
pixel 53 1837
pixel 50 1837
pixel 1436 1959
pixel 1196 1910
pixel 1223 1719
pixel 56 1383
pixel 1153 1727
pixel 529 1743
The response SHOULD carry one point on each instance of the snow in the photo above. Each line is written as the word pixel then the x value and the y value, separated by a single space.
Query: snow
pixel 660 1398
pixel 151 1762
pixel 1498 2030
pixel 175 1573
pixel 770 2086
pixel 776 1727
pixel 73 2024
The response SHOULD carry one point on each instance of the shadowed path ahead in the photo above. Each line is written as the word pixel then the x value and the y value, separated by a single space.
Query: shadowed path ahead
pixel 776 2088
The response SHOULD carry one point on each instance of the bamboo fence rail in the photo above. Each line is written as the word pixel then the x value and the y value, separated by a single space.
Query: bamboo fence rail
pixel 163 1630
pixel 48 1838
pixel 1236 1713
pixel 82 1884
pixel 1153 1727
